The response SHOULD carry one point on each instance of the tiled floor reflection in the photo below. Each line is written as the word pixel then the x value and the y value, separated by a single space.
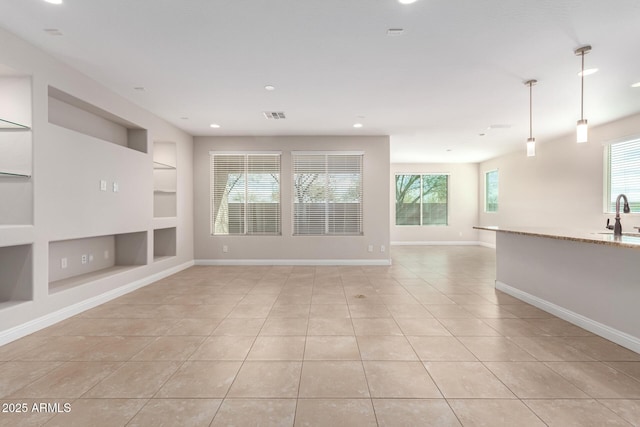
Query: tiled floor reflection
pixel 425 342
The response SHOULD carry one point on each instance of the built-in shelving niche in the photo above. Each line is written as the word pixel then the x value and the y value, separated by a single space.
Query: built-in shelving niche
pixel 80 261
pixel 16 188
pixel 164 243
pixel 165 180
pixel 75 114
pixel 7 126
pixel 16 275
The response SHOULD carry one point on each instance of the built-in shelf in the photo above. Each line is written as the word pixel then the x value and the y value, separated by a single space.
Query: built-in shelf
pixel 9 126
pixel 161 166
pixel 165 180
pixel 162 258
pixel 81 279
pixel 164 243
pixel 12 304
pixel 16 274
pixel 17 235
pixel 72 113
pixel 14 174
pixel 77 262
pixel 166 222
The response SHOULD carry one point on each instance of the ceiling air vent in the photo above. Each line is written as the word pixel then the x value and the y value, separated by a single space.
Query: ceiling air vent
pixel 274 115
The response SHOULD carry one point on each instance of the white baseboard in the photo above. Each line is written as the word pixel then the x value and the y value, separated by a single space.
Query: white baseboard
pixel 618 337
pixel 437 243
pixel 42 322
pixel 384 262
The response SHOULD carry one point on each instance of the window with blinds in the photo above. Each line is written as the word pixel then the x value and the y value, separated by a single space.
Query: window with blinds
pixel 245 193
pixel 422 199
pixel 327 193
pixel 491 191
pixel 623 174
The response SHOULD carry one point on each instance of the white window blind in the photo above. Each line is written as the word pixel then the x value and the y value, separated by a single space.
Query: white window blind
pixel 327 193
pixel 624 174
pixel 245 194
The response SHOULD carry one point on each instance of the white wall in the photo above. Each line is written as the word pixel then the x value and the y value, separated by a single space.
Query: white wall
pixel 462 209
pixel 304 249
pixel 562 186
pixel 67 201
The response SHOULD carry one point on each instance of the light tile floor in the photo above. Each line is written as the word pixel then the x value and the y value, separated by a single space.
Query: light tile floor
pixel 425 342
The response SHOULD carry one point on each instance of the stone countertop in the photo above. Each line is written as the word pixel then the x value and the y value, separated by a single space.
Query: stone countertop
pixel 630 238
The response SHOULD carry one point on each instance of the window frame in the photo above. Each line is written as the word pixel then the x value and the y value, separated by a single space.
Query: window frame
pixel 327 202
pixel 486 191
pixel 246 172
pixel 608 204
pixel 421 201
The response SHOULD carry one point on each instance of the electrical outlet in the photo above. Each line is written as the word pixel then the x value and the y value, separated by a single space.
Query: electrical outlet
pixel 103 185
pixel 370 248
pixel 63 263
pixel 84 259
pixel 382 248
pixel 225 248
pixel 106 254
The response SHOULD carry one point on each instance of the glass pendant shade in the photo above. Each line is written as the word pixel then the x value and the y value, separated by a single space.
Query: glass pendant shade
pixel 582 131
pixel 531 147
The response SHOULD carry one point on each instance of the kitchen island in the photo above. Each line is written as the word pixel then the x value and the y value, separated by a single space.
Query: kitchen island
pixel 591 279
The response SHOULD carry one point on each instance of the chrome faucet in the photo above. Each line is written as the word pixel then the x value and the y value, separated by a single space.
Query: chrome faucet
pixel 617 228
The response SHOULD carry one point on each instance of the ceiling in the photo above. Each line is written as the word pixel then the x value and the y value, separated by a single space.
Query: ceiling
pixel 457 69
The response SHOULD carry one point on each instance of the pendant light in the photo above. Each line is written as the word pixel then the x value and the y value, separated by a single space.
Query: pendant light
pixel 582 128
pixel 531 141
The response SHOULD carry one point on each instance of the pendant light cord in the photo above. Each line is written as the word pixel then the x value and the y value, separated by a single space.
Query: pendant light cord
pixel 530 110
pixel 582 89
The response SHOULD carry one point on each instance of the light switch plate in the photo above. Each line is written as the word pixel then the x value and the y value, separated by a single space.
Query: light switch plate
pixel 116 187
pixel 103 185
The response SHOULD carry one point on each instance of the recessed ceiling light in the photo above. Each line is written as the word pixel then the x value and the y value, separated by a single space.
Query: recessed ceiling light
pixel 54 1
pixel 636 84
pixel 449 149
pixel 214 125
pixel 357 125
pixel 269 87
pixel 588 72
pixel 406 1
pixel 139 88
